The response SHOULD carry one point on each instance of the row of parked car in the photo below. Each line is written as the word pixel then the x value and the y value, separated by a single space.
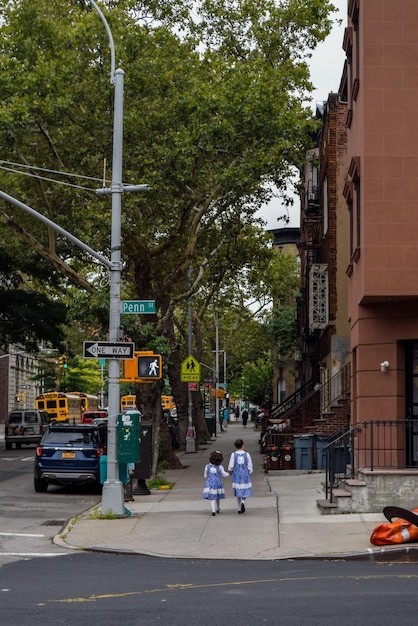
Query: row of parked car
pixel 65 453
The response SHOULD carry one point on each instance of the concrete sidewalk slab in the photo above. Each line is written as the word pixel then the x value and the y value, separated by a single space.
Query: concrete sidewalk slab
pixel 282 520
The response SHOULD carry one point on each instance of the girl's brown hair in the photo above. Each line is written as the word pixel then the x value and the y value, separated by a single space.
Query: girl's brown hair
pixel 216 457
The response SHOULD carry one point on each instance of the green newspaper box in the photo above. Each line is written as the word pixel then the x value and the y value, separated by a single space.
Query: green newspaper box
pixel 129 433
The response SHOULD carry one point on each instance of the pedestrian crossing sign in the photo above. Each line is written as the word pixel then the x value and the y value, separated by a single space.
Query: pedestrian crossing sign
pixel 190 370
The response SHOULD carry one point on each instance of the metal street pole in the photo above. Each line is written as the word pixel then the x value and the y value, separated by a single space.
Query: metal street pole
pixel 191 442
pixel 113 493
pixel 216 371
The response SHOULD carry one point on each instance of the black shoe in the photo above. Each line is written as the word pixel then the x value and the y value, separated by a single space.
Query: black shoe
pixel 218 510
pixel 239 512
pixel 213 514
pixel 242 508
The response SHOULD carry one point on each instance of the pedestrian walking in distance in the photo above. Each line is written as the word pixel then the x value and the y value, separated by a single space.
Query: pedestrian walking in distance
pixel 241 467
pixel 214 489
pixel 244 418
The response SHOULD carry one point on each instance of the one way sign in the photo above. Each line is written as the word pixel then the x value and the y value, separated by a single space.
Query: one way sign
pixel 108 350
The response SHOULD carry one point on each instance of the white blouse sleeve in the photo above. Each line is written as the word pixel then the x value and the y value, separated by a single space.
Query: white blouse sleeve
pixel 223 472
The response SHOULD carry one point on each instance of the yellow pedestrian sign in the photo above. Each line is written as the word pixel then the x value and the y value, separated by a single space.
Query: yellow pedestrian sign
pixel 190 370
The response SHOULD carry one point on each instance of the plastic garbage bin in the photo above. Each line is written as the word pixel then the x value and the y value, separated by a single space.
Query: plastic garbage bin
pixel 321 442
pixel 303 445
pixel 288 457
pixel 340 459
pixel 273 457
pixel 211 424
pixel 123 471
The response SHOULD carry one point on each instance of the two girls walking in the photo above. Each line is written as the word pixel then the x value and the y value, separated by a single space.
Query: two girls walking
pixel 240 467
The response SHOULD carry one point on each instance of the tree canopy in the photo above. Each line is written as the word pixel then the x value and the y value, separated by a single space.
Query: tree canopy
pixel 216 116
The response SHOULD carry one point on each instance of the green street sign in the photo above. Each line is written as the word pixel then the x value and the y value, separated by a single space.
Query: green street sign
pixel 138 306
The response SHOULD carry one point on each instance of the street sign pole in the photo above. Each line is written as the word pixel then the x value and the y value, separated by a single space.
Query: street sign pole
pixel 113 493
pixel 190 441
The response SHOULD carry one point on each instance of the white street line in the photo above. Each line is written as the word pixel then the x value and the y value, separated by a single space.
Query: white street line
pixel 20 535
pixel 33 554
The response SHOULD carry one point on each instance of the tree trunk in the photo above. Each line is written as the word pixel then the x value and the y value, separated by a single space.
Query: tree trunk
pixel 149 403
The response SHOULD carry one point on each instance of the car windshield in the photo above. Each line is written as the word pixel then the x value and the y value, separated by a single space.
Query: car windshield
pixel 70 438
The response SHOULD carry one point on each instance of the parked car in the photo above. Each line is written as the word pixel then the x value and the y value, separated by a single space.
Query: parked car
pixel 90 416
pixel 69 453
pixel 25 426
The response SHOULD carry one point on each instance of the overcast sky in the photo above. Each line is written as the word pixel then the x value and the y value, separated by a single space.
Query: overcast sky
pixel 326 69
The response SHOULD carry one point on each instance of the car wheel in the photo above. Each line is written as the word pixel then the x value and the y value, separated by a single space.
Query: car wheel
pixel 18 446
pixel 40 485
pixel 8 445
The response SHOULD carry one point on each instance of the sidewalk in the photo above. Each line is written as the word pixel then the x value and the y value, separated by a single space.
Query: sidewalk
pixel 282 520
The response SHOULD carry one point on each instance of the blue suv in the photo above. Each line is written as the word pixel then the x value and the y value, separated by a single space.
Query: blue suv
pixel 69 453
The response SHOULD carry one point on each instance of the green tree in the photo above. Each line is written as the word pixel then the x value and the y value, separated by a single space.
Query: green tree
pixel 81 375
pixel 254 384
pixel 215 114
pixel 27 316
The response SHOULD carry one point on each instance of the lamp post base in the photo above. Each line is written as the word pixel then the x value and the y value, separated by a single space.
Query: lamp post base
pixel 113 498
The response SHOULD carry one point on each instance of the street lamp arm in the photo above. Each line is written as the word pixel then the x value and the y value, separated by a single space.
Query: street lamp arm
pixel 62 231
pixel 3 356
pixel 111 44
pixel 207 367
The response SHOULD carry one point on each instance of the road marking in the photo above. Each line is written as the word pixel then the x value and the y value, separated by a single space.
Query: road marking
pixel 17 458
pixel 33 554
pixel 20 535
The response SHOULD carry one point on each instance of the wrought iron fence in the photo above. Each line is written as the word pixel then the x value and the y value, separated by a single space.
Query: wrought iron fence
pixel 373 444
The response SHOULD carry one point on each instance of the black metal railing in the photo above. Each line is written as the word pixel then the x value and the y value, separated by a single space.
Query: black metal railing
pixel 292 400
pixel 373 444
pixel 336 389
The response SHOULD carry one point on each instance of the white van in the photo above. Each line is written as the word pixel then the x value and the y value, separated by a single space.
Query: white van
pixel 25 426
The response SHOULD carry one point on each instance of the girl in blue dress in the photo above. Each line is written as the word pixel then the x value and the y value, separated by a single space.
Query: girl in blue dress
pixel 214 488
pixel 241 468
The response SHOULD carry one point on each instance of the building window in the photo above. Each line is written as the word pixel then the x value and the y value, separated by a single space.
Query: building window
pixel 318 296
pixel 355 215
pixel 350 210
pixel 325 205
pixel 282 390
pixel 358 212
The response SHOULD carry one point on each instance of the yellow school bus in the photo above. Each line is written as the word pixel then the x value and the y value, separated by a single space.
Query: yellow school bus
pixel 127 401
pixel 62 407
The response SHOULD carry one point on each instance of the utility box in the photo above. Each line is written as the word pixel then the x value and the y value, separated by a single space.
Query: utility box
pixel 129 433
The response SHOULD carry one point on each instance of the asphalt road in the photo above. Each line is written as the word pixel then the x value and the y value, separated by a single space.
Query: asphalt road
pixel 104 589
pixel 29 520
pixel 41 583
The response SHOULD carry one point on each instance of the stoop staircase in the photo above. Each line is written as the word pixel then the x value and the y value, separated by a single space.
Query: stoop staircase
pixel 371 466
